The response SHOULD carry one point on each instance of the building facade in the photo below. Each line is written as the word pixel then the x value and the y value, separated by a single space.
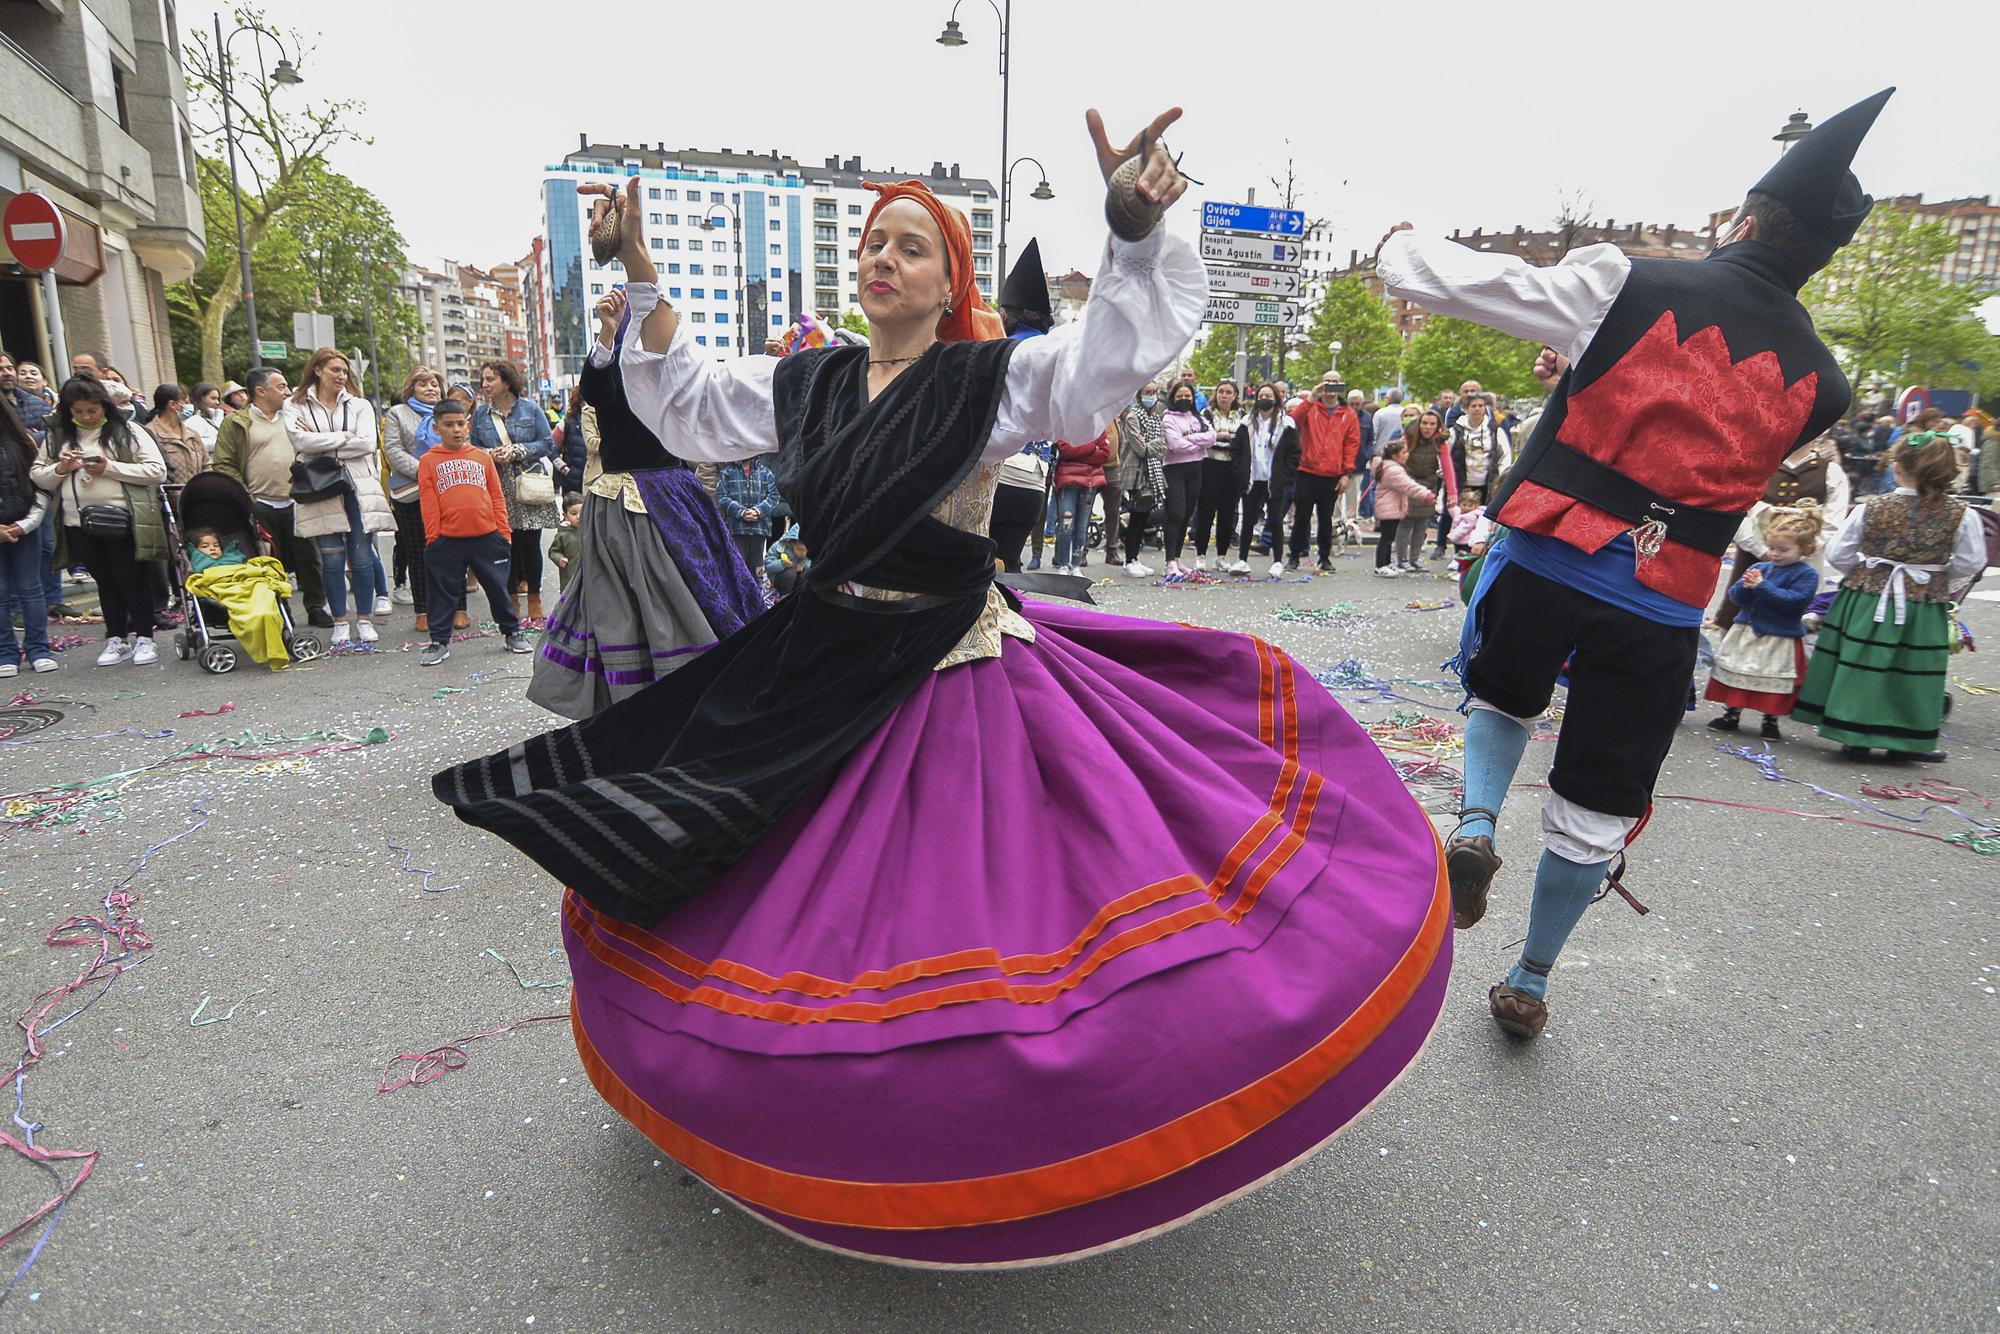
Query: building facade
pixel 468 315
pixel 93 114
pixel 1974 220
pixel 745 242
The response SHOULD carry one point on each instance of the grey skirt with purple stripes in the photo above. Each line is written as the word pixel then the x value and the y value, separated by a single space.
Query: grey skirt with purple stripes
pixel 650 591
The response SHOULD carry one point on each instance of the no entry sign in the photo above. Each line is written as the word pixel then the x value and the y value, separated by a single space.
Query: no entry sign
pixel 34 231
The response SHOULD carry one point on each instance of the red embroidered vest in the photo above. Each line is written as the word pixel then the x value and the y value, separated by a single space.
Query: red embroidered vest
pixel 1701 380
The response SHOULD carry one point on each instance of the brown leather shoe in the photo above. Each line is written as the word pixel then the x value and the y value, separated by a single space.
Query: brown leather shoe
pixel 1517 1011
pixel 1471 864
pixel 461 622
pixel 423 624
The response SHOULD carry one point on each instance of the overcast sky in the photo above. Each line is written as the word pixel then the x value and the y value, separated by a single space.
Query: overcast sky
pixel 1450 114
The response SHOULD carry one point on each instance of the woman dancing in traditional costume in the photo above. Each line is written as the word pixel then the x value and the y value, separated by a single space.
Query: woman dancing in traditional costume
pixel 827 953
pixel 657 580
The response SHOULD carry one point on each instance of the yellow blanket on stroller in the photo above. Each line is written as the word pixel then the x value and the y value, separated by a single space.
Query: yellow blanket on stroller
pixel 251 593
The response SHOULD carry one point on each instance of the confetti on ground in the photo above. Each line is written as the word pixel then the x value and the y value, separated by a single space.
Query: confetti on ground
pixel 426 1066
pixel 408 857
pixel 210 713
pixel 559 985
pixel 196 1021
pixel 1340 613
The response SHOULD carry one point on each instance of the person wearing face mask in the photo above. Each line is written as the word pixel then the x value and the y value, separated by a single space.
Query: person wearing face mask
pixel 1187 434
pixel 1140 475
pixel 1225 476
pixel 858 779
pixel 1271 439
pixel 1622 506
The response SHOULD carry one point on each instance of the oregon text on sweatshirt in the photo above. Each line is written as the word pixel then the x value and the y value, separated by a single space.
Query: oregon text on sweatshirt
pixel 459 490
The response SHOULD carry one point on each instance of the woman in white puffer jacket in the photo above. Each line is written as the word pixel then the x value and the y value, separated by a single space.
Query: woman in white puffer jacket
pixel 323 418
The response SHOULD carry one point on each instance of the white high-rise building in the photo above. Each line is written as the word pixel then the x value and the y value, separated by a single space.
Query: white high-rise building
pixel 800 228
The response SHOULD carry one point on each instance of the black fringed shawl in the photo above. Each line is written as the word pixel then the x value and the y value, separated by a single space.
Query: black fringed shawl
pixel 645 804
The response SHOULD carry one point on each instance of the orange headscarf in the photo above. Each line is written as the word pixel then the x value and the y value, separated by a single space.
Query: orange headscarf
pixel 970 319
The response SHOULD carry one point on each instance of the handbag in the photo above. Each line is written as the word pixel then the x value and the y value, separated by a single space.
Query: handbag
pixel 320 477
pixel 538 484
pixel 105 521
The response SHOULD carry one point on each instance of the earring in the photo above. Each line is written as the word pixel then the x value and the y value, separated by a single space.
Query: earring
pixel 947 308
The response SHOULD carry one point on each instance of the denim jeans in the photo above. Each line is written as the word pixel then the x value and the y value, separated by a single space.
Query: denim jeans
pixel 1073 523
pixel 21 584
pixel 353 550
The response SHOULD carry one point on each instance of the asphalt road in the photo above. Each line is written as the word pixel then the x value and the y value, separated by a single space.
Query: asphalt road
pixel 1769 1104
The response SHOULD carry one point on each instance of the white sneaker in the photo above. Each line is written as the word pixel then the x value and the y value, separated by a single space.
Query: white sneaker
pixel 365 632
pixel 1387 572
pixel 1239 567
pixel 1137 571
pixel 46 664
pixel 116 650
pixel 400 596
pixel 340 632
pixel 1277 569
pixel 144 654
pixel 384 607
pixel 8 669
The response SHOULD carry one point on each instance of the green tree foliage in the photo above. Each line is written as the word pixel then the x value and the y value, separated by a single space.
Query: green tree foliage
pixel 1215 358
pixel 854 322
pixel 1449 352
pixel 1884 308
pixel 338 252
pixel 1348 313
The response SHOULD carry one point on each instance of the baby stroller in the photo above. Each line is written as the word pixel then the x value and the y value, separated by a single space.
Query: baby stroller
pixel 218 501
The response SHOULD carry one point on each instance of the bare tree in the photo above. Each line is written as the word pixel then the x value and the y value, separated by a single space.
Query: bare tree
pixel 1573 218
pixel 278 153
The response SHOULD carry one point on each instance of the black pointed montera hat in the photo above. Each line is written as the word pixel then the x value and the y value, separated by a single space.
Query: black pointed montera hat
pixel 1814 179
pixel 1027 287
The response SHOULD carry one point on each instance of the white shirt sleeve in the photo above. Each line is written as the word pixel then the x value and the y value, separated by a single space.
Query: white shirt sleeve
pixel 1968 549
pixel 702 409
pixel 1145 304
pixel 600 355
pixel 1560 306
pixel 1845 551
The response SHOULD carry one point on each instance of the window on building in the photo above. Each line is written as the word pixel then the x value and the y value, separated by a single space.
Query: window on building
pixel 777 272
pixel 826 298
pixel 674 293
pixel 673 268
pixel 825 209
pixel 656 243
pixel 978 196
pixel 653 193
pixel 721 316
pixel 673 194
pixel 777 226
pixel 982 222
pixel 826 254
pixel 722 294
pixel 724 340
pixel 673 243
pixel 701 339
pixel 597 289
pixel 776 249
pixel 698 317
pixel 695 269
pixel 825 277
pixel 777 321
pixel 714 196
pixel 673 219
pixel 698 293
pixel 772 201
pixel 854 233
pixel 654 218
pixel 854 210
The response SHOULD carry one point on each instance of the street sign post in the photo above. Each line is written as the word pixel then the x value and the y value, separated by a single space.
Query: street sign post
pixel 311 331
pixel 1249 310
pixel 1253 218
pixel 36 232
pixel 270 349
pixel 1262 250
pixel 1241 281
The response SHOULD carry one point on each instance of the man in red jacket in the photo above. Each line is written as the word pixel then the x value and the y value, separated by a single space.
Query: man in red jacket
pixel 1329 443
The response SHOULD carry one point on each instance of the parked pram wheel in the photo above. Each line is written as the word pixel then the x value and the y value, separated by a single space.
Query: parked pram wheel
pixel 305 647
pixel 182 648
pixel 218 658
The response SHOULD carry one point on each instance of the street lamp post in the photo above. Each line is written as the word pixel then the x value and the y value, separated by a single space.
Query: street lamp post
pixel 1796 128
pixel 287 76
pixel 742 308
pixel 952 36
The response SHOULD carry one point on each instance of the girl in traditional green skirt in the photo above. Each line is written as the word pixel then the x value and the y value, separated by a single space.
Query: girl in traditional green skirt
pixel 1877 678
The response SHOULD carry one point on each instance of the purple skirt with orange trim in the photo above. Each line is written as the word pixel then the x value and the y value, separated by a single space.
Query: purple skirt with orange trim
pixel 1085 941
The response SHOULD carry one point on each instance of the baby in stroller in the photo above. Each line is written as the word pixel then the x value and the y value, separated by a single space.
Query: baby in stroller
pixel 237 595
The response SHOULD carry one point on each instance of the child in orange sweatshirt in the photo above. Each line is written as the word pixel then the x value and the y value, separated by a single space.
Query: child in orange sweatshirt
pixel 465 527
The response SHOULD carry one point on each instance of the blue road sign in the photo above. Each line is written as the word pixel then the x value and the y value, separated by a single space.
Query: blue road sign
pixel 1253 218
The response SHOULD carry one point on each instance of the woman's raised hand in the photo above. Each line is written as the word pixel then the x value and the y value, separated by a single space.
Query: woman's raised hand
pixel 631 226
pixel 1159 180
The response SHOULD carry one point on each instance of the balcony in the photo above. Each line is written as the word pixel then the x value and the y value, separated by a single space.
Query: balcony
pixel 173 244
pixel 40 119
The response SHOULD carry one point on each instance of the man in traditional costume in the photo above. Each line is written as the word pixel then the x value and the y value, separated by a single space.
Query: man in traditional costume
pixel 1687 384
